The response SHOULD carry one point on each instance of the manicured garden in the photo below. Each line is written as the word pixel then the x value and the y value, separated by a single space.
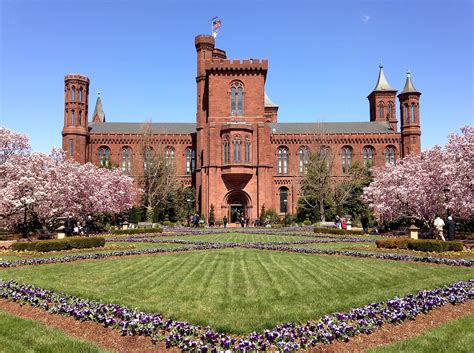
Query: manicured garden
pixel 239 282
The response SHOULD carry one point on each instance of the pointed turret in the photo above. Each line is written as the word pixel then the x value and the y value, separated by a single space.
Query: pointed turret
pixel 409 88
pixel 410 118
pixel 382 83
pixel 271 110
pixel 382 102
pixel 99 116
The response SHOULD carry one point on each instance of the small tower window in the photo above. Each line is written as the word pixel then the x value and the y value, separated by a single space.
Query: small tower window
pixel 226 151
pixel 368 155
pixel 73 93
pixel 346 159
pixel 236 98
pixel 236 149
pixel 381 111
pixel 80 118
pixel 73 119
pixel 80 94
pixel 71 148
pixel 389 108
pixel 283 161
pixel 390 155
pixel 126 160
pixel 413 113
pixel 303 155
pixel 407 116
pixel 247 150
pixel 188 154
pixel 104 157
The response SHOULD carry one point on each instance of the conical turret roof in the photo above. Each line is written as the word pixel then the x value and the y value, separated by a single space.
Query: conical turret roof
pixel 409 88
pixel 382 83
pixel 99 115
pixel 269 102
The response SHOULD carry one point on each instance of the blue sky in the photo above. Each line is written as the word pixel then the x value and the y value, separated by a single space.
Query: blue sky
pixel 323 58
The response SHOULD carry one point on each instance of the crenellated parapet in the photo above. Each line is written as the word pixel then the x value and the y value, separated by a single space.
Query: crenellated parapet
pixel 248 66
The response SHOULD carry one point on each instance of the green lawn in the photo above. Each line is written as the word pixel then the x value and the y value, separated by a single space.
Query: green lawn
pixel 237 237
pixel 28 336
pixel 239 290
pixel 455 336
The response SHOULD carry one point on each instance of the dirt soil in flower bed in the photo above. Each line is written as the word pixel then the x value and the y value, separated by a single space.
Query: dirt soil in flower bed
pixel 389 333
pixel 86 330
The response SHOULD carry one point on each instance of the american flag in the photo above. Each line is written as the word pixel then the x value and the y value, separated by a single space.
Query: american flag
pixel 216 23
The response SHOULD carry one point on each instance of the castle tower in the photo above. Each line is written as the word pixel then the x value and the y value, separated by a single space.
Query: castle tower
pixel 76 102
pixel 410 118
pixel 204 47
pixel 99 115
pixel 382 102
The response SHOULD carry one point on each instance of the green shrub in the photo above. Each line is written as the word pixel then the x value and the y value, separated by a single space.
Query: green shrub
pixel 307 222
pixel 337 231
pixel 23 246
pixel 168 223
pixel 427 245
pixel 137 231
pixel 59 244
pixel 454 245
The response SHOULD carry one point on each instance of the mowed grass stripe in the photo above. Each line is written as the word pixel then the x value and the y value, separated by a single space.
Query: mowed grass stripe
pixel 240 290
pixel 237 237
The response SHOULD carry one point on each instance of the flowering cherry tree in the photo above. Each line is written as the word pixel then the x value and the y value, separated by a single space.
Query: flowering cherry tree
pixel 418 185
pixel 12 143
pixel 52 186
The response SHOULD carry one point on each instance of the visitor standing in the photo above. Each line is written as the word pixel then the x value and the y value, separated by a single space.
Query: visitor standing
pixel 224 220
pixel 451 226
pixel 439 224
pixel 338 222
pixel 343 223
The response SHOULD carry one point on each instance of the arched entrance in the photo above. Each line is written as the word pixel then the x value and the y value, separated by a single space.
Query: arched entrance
pixel 238 204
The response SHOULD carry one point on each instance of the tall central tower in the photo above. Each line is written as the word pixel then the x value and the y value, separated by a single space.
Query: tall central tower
pixel 382 102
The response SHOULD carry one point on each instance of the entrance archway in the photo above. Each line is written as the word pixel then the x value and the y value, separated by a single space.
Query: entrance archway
pixel 238 204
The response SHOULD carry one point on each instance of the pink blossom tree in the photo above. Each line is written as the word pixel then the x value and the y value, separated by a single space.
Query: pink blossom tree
pixel 417 186
pixel 12 143
pixel 53 186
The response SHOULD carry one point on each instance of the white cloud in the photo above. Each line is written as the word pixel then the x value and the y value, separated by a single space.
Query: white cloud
pixel 365 18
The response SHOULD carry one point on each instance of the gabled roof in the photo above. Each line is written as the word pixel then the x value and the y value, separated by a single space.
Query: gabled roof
pixel 382 83
pixel 331 128
pixel 409 88
pixel 140 128
pixel 268 102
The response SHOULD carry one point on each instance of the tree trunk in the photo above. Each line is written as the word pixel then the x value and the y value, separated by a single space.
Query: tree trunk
pixel 149 214
pixel 322 214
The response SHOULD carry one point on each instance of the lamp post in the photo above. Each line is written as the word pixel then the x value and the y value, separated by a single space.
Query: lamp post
pixel 285 202
pixel 446 191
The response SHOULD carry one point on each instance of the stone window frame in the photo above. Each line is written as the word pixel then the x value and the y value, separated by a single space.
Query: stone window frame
pixel 283 154
pixel 390 153
pixel 126 159
pixel 103 153
pixel 346 158
pixel 303 158
pixel 368 154
pixel 236 93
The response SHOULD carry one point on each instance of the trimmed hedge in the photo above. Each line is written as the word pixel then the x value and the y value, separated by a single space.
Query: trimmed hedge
pixel 427 245
pixel 59 244
pixel 337 231
pixel 137 231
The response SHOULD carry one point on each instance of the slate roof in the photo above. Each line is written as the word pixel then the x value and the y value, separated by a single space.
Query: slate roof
pixel 409 88
pixel 139 128
pixel 269 102
pixel 382 83
pixel 276 128
pixel 331 128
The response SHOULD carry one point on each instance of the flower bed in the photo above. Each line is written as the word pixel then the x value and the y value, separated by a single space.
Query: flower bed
pixel 59 244
pixel 429 245
pixel 137 231
pixel 286 337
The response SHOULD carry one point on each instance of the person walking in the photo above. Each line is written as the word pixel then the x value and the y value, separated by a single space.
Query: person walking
pixel 451 226
pixel 224 220
pixel 365 223
pixel 439 224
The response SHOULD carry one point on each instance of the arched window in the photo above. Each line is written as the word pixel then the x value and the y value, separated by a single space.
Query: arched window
pixel 147 158
pixel 381 110
pixel 236 98
pixel 247 150
pixel 303 154
pixel 390 155
pixel 73 93
pixel 80 94
pixel 104 156
pixel 407 116
pixel 346 159
pixel 368 155
pixel 126 160
pixel 413 113
pixel 389 108
pixel 283 200
pixel 73 118
pixel 226 151
pixel 236 142
pixel 79 122
pixel 283 161
pixel 189 153
pixel 169 155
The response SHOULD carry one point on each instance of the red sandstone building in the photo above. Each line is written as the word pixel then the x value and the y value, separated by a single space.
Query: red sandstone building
pixel 237 156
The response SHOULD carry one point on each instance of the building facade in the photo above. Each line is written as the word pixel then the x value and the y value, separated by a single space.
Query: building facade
pixel 237 156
